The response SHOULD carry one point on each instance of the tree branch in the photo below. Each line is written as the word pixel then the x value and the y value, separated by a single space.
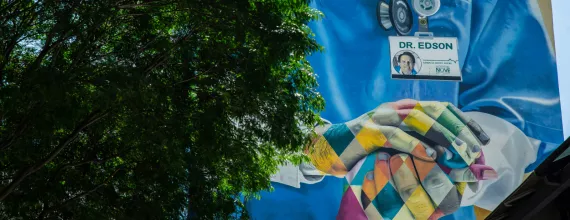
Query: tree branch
pixel 49 45
pixel 161 58
pixel 146 4
pixel 8 6
pixel 47 210
pixel 6 59
pixel 20 129
pixel 10 140
pixel 7 17
pixel 10 47
pixel 96 161
pixel 93 118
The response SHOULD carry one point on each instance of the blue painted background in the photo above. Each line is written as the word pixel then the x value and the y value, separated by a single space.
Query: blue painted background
pixel 508 70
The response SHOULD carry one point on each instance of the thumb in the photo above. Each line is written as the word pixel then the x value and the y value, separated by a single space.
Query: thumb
pixel 473 173
pixel 483 172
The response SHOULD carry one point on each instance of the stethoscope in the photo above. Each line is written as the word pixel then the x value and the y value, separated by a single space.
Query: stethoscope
pixel 397 14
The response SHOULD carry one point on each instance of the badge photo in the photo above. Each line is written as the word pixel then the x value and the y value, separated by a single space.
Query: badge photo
pixel 406 62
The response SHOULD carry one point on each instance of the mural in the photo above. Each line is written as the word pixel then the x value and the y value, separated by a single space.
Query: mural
pixel 436 109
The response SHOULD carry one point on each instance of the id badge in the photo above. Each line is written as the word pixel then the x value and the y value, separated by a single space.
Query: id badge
pixel 424 57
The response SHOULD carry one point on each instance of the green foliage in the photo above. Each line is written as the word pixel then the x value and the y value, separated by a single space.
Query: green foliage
pixel 146 109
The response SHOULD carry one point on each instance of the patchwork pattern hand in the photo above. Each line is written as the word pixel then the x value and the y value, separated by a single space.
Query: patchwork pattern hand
pixel 400 187
pixel 405 126
pixel 442 156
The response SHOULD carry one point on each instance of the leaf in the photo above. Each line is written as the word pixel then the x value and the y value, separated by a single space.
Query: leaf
pixel 203 100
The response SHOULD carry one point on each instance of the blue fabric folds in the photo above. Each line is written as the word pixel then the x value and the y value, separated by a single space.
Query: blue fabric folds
pixel 508 71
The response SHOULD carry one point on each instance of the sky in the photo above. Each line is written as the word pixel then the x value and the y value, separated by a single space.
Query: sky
pixel 560 9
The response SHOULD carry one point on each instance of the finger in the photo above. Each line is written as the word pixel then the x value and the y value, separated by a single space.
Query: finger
pixel 481 159
pixel 369 191
pixel 483 172
pixel 403 142
pixel 449 120
pixel 382 170
pixel 462 175
pixel 388 201
pixel 364 135
pixel 473 126
pixel 389 113
pixel 437 214
pixel 385 114
pixel 378 196
pixel 387 121
pixel 426 126
pixel 439 187
pixel 403 104
pixel 473 173
pixel 409 187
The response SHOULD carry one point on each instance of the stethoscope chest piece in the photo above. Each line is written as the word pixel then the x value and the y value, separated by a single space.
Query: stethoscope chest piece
pixel 397 14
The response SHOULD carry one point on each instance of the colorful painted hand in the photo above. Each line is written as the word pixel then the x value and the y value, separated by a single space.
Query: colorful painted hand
pixel 426 185
pixel 405 126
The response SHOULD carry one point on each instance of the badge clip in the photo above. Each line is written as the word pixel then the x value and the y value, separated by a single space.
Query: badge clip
pixel 423 31
pixel 424 35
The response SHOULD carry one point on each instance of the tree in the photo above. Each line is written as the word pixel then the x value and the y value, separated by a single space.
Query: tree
pixel 146 109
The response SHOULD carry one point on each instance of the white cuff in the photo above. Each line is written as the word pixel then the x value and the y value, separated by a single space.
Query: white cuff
pixel 293 176
pixel 509 152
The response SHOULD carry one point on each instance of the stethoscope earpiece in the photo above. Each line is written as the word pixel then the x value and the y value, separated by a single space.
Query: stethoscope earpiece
pixel 396 14
pixel 426 8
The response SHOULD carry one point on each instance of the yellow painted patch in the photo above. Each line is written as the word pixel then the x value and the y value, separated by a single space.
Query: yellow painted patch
pixel 338 168
pixel 481 213
pixel 431 108
pixel 461 187
pixel 419 121
pixel 370 137
pixel 420 204
pixel 323 155
pixel 402 141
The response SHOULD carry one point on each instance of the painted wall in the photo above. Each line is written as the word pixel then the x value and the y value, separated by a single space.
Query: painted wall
pixel 424 149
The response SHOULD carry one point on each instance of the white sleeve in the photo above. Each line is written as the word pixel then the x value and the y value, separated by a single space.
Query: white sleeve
pixel 509 152
pixel 292 175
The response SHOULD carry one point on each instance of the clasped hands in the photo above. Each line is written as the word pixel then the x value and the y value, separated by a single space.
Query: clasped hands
pixel 404 159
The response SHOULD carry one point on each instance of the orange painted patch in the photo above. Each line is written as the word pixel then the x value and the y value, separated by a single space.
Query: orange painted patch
pixel 420 151
pixel 423 168
pixel 381 174
pixel 369 188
